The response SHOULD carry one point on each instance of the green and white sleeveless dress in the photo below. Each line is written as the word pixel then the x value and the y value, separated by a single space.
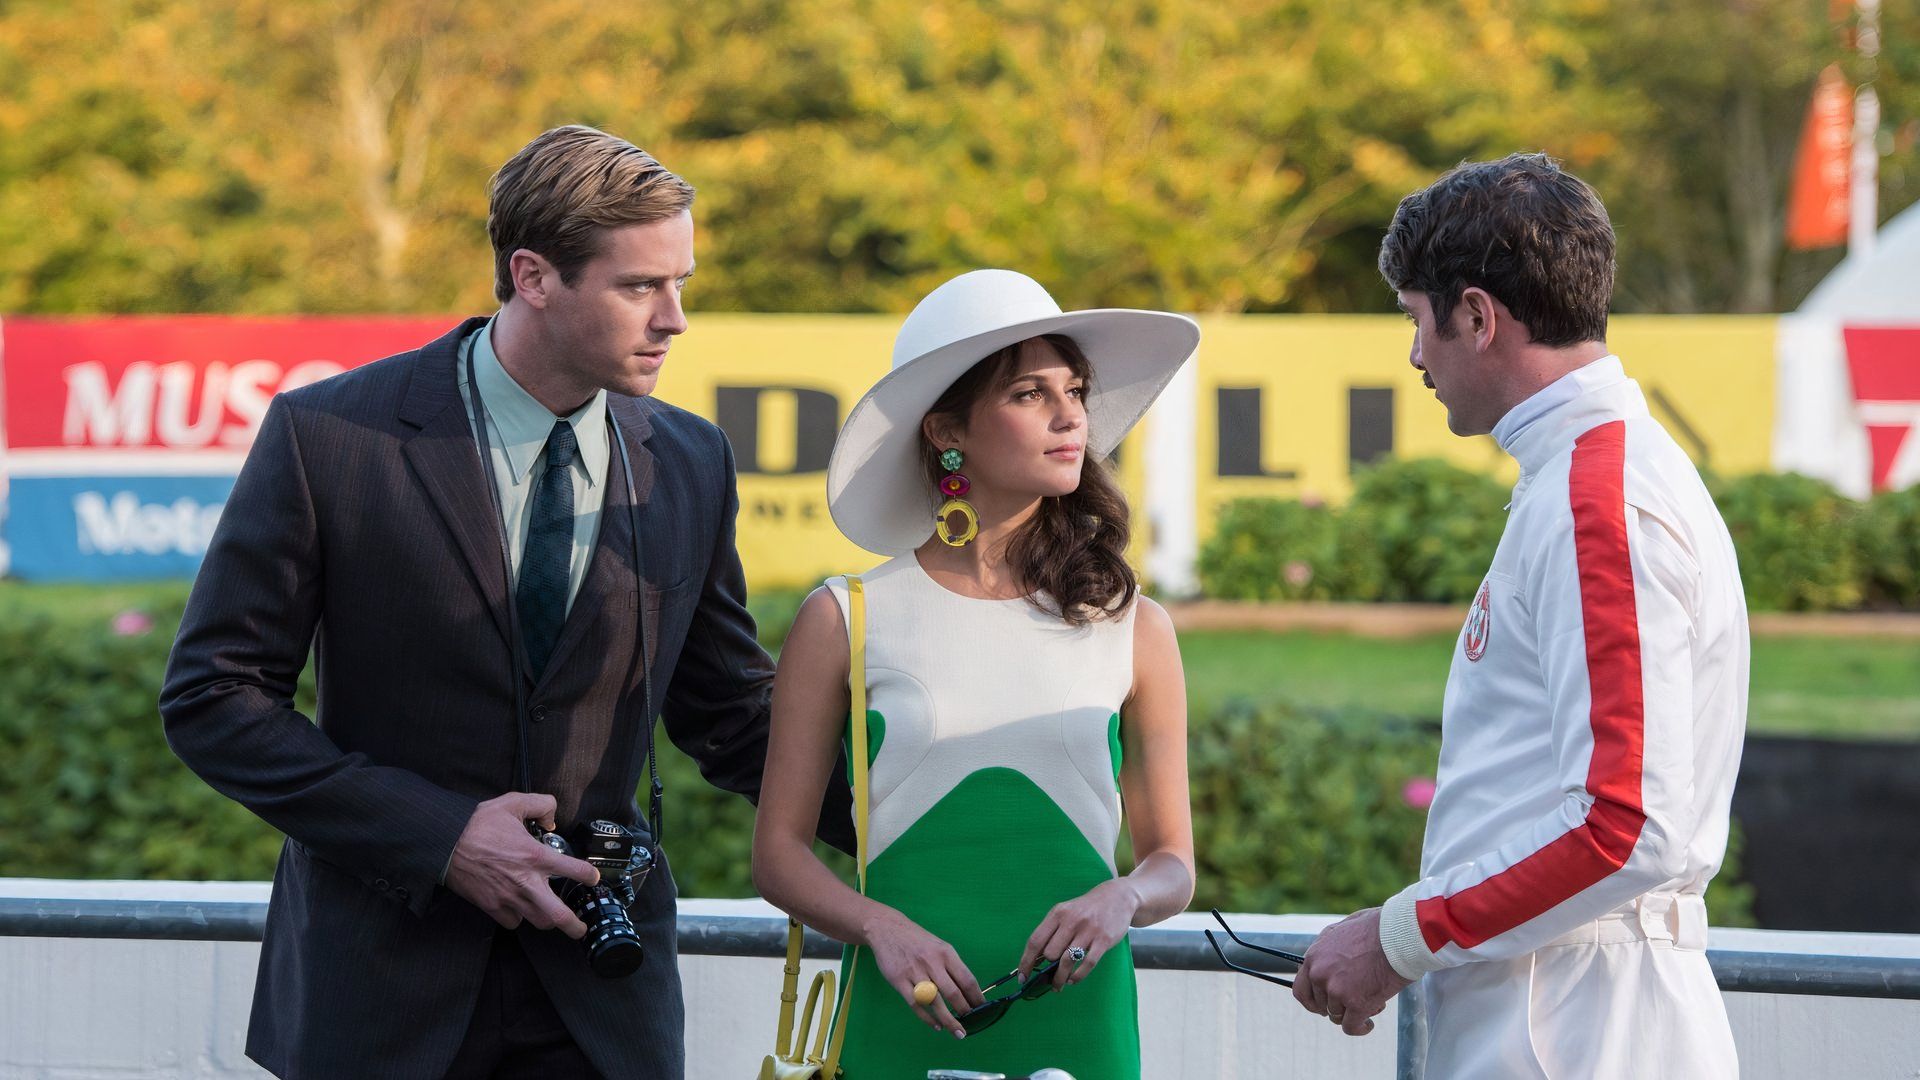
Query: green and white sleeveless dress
pixel 994 738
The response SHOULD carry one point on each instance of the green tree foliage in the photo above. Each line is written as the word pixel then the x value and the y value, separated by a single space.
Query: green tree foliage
pixel 249 156
pixel 1713 97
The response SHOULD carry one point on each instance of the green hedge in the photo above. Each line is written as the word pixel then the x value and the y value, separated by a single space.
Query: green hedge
pixel 1799 542
pixel 1294 809
pixel 1240 561
pixel 1298 810
pixel 89 788
pixel 1414 530
pixel 1425 530
pixel 1434 526
pixel 1890 546
pixel 1308 810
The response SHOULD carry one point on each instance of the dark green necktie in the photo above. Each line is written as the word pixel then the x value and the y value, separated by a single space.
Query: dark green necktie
pixel 546 563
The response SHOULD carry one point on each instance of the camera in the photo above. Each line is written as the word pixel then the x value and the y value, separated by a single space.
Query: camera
pixel 624 857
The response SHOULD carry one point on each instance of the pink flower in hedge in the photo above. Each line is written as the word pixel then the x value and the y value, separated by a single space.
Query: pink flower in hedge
pixel 132 623
pixel 1418 792
pixel 1312 501
pixel 1298 574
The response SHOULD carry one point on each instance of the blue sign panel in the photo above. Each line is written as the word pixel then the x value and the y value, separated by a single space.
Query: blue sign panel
pixel 112 527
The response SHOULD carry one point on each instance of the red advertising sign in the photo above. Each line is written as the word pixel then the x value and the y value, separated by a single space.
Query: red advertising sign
pixel 174 382
pixel 1884 362
pixel 123 435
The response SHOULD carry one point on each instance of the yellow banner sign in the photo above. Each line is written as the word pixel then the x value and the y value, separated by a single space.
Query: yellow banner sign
pixel 1289 406
pixel 1285 406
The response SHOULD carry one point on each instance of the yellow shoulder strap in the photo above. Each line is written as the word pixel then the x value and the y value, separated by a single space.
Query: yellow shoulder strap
pixel 857 687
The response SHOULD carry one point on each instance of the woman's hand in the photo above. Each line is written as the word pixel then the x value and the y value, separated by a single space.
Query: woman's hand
pixel 907 955
pixel 1092 922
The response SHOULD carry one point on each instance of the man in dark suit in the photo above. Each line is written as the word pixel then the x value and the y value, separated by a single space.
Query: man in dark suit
pixel 454 531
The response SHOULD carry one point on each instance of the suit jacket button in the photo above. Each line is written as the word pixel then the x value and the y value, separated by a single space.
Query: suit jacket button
pixel 539 713
pixel 380 883
pixel 400 891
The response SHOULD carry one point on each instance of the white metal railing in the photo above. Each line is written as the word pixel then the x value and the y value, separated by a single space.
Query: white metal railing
pixel 751 930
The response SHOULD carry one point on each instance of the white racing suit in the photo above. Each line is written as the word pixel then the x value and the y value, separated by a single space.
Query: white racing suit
pixel 1590 737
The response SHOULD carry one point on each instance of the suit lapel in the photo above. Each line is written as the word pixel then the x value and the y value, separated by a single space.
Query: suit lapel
pixel 446 460
pixel 611 577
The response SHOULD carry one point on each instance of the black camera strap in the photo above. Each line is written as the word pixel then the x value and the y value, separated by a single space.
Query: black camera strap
pixel 655 790
pixel 521 673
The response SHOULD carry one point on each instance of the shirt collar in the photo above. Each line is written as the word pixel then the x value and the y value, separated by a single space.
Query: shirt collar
pixel 524 424
pixel 1533 430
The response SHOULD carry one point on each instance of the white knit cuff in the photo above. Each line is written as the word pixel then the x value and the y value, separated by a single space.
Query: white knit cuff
pixel 1400 936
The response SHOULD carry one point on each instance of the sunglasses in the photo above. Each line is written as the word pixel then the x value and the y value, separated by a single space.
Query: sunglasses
pixel 1292 958
pixel 1037 983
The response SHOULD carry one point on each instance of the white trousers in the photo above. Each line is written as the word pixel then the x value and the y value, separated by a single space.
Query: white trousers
pixel 1629 997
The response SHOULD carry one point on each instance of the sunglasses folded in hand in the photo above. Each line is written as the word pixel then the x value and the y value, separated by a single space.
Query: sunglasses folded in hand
pixel 1037 983
pixel 1292 958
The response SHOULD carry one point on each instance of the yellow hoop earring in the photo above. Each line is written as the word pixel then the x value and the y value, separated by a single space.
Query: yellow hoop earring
pixel 945 532
pixel 955 486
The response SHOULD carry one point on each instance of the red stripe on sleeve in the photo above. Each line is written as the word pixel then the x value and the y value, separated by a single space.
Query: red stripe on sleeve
pixel 1601 844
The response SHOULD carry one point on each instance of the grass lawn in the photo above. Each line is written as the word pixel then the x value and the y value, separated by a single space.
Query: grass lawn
pixel 1840 687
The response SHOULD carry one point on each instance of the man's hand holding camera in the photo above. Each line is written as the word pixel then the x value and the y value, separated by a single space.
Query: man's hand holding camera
pixel 501 869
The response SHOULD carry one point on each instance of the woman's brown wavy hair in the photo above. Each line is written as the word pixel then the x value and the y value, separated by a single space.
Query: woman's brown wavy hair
pixel 1074 548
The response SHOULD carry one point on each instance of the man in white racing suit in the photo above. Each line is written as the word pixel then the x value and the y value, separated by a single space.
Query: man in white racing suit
pixel 1597 700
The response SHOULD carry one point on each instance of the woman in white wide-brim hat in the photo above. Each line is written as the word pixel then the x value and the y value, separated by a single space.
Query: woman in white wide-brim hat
pixel 1018 687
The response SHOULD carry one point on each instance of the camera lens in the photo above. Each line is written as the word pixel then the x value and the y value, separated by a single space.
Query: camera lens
pixel 613 947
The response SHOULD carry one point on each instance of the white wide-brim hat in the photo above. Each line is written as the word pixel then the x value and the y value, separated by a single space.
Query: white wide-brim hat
pixel 877 487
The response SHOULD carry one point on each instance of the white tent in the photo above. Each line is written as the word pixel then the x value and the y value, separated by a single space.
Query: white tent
pixel 1827 426
pixel 1884 286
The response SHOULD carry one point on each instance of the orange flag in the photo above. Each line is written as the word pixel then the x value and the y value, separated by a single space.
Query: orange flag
pixel 1817 210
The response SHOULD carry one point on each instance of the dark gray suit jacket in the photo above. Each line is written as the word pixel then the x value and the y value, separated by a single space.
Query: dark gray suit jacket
pixel 362 513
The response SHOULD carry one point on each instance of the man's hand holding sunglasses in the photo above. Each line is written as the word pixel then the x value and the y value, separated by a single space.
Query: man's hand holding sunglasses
pixel 1346 976
pixel 1078 932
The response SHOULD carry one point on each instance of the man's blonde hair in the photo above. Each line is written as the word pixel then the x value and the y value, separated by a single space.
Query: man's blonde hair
pixel 556 195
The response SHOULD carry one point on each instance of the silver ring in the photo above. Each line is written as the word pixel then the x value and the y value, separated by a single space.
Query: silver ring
pixel 1076 954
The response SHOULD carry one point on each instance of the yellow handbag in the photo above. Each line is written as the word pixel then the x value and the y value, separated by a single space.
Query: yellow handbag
pixel 791 1058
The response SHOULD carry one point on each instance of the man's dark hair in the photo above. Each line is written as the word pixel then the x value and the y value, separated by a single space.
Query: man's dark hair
pixel 1532 235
